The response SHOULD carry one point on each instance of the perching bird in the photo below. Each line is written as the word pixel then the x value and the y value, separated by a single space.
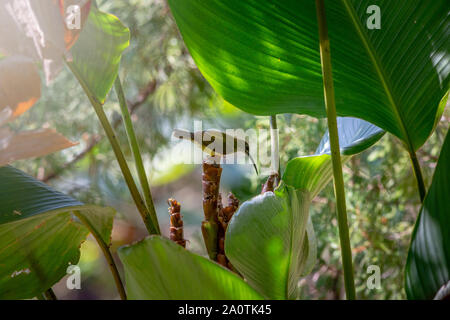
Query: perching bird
pixel 208 140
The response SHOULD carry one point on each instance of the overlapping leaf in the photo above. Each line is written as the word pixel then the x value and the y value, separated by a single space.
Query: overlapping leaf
pixel 276 240
pixel 157 268
pixel 313 172
pixel 428 263
pixel 263 57
pixel 39 236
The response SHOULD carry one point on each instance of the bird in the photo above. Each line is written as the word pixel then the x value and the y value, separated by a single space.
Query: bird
pixel 210 145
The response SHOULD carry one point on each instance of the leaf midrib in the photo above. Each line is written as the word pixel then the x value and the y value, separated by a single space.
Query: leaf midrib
pixel 379 70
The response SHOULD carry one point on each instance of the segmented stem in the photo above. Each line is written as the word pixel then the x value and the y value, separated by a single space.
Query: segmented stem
pixel 210 187
pixel 176 223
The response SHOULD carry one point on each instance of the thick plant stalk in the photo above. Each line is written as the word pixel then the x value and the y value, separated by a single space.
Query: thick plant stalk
pixel 98 107
pixel 210 187
pixel 418 174
pixel 106 253
pixel 176 223
pixel 339 190
pixel 224 216
pixel 136 152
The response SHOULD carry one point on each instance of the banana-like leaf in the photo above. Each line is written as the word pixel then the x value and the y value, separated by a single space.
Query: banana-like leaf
pixel 428 263
pixel 96 55
pixel 39 235
pixel 263 57
pixel 275 239
pixel 157 268
pixel 276 227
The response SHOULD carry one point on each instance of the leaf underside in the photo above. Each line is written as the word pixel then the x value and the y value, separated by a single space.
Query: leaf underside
pixel 263 57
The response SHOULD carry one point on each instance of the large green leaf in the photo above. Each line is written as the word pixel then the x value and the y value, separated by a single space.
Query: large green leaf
pixel 272 228
pixel 263 57
pixel 275 227
pixel 39 235
pixel 96 55
pixel 428 263
pixel 157 268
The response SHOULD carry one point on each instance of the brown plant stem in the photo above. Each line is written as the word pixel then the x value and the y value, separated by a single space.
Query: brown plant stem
pixel 176 223
pixel 270 184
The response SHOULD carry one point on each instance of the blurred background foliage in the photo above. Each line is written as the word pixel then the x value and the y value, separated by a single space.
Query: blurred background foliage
pixel 165 91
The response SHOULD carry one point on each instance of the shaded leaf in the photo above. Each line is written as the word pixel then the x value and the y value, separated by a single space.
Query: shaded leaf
pixel 355 136
pixel 156 268
pixel 428 264
pixel 39 236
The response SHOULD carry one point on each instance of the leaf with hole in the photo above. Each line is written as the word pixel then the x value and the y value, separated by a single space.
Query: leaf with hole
pixel 39 235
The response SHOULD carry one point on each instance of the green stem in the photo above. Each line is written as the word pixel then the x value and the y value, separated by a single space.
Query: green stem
pixel 49 294
pixel 136 152
pixel 105 249
pixel 98 107
pixel 339 191
pixel 418 174
pixel 275 148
